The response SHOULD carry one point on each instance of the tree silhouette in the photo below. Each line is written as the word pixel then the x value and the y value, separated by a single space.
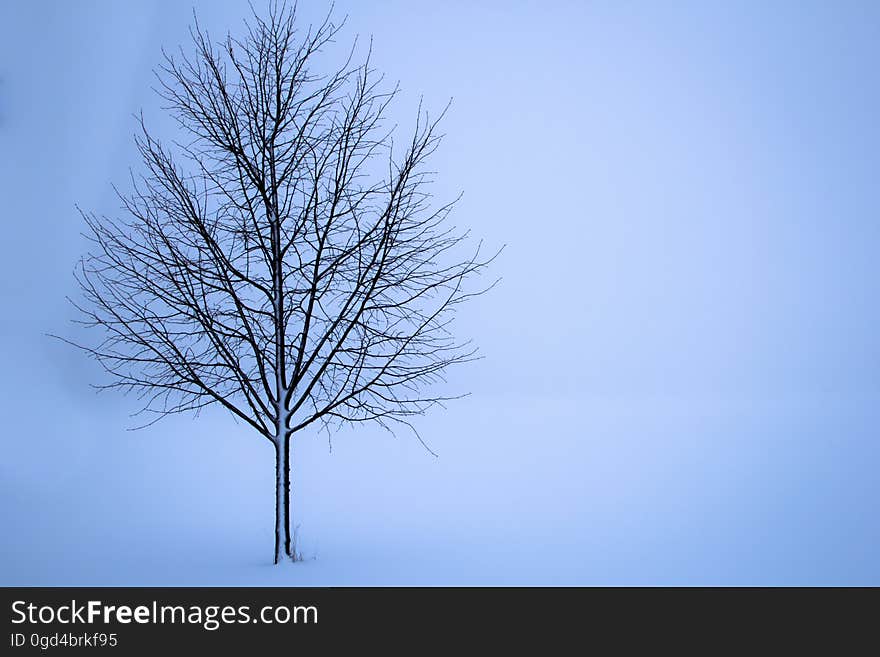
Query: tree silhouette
pixel 285 260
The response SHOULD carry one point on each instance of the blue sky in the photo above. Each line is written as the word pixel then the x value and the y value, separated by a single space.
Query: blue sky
pixel 681 380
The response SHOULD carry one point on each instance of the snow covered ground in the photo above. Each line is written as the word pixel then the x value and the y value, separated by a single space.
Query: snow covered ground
pixel 586 491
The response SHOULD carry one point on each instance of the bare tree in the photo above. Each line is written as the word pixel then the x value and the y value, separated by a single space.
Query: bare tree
pixel 285 260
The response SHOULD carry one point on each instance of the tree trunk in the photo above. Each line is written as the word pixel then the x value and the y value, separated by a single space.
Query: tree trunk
pixel 282 499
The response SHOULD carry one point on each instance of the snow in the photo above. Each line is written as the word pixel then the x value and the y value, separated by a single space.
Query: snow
pixel 558 492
